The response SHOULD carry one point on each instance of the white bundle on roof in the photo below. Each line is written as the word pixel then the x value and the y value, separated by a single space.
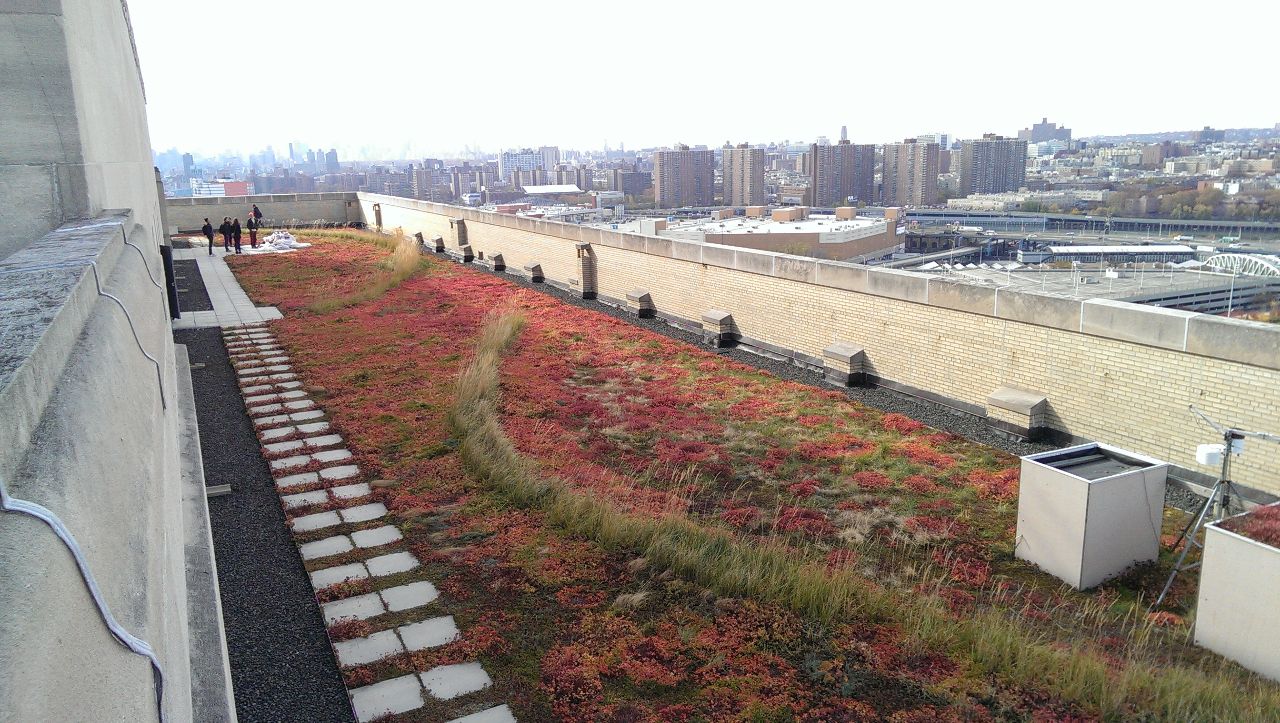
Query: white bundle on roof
pixel 278 242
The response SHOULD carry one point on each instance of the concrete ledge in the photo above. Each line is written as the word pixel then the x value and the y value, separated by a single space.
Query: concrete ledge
pixel 212 695
pixel 896 284
pixel 1019 401
pixel 963 297
pixel 464 251
pixel 1020 412
pixel 47 293
pixel 534 272
pixel 1039 309
pixel 1149 325
pixel 1247 342
pixel 498 262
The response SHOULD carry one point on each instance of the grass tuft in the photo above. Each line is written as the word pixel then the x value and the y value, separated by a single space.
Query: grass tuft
pixel 403 262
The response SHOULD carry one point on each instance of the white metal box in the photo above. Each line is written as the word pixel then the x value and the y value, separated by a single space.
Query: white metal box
pixel 1238 611
pixel 1088 513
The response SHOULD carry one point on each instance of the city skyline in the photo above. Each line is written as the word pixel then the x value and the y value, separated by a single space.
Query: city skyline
pixel 293 75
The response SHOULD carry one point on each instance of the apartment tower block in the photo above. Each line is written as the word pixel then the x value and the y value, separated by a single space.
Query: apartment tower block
pixel 682 177
pixel 743 175
pixel 910 173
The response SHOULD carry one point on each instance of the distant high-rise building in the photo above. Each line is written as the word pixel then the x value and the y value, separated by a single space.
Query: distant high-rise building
pixel 844 133
pixel 743 175
pixel 942 139
pixel 188 165
pixel 992 164
pixel 550 157
pixel 1209 135
pixel 910 173
pixel 1044 131
pixel 841 172
pixel 682 177
pixel 331 162
pixel 510 162
pixel 631 183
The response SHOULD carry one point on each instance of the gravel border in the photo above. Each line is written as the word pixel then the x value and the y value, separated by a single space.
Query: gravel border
pixel 192 294
pixel 282 665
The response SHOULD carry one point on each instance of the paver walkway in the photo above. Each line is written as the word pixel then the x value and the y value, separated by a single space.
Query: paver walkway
pixel 333 513
pixel 231 306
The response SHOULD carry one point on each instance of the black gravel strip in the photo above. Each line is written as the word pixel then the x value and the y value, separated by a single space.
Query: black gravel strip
pixel 282 665
pixel 192 295
pixel 933 414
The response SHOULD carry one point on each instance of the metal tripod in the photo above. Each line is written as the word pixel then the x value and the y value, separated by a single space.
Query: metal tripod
pixel 1223 489
pixel 1218 503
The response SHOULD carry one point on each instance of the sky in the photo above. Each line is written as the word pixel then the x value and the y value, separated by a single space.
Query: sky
pixel 428 77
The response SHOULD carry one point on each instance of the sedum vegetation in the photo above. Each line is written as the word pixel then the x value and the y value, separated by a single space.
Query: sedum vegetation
pixel 631 528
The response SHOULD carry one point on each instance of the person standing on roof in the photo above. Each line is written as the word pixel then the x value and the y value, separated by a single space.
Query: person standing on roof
pixel 252 225
pixel 207 230
pixel 225 230
pixel 235 233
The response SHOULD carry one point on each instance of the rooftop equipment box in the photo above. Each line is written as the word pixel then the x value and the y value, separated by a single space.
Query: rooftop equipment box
pixel 1088 513
pixel 1238 612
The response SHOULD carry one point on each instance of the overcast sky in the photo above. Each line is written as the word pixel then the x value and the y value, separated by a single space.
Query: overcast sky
pixel 431 76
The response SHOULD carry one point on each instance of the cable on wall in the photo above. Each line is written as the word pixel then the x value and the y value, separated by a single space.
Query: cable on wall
pixel 159 375
pixel 135 644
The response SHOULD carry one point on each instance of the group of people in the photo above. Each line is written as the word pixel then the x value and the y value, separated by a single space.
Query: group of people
pixel 230 231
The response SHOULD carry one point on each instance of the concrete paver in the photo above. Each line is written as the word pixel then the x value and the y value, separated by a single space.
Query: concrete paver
pixel 430 633
pixel 350 492
pixel 406 597
pixel 363 513
pixel 391 564
pixel 450 681
pixel 360 607
pixel 302 499
pixel 496 714
pixel 318 521
pixel 295 480
pixel 332 455
pixel 398 695
pixel 321 579
pixel 343 472
pixel 359 651
pixel 376 537
pixel 335 545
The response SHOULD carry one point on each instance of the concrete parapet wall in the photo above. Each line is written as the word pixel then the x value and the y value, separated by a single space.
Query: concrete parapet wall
pixel 87 435
pixel 188 214
pixel 1118 373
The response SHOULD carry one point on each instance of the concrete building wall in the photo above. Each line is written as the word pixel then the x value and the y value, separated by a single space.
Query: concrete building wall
pixel 90 426
pixel 1117 373
pixel 73 133
pixel 188 214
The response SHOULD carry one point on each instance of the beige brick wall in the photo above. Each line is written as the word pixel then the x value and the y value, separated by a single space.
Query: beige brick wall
pixel 1118 392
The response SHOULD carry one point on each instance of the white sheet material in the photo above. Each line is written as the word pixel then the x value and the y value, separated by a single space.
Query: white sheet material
pixel 279 242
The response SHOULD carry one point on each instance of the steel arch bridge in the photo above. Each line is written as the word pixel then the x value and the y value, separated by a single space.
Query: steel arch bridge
pixel 1251 264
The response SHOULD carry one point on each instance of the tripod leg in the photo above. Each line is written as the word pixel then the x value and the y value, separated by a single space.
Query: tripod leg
pixel 1194 530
